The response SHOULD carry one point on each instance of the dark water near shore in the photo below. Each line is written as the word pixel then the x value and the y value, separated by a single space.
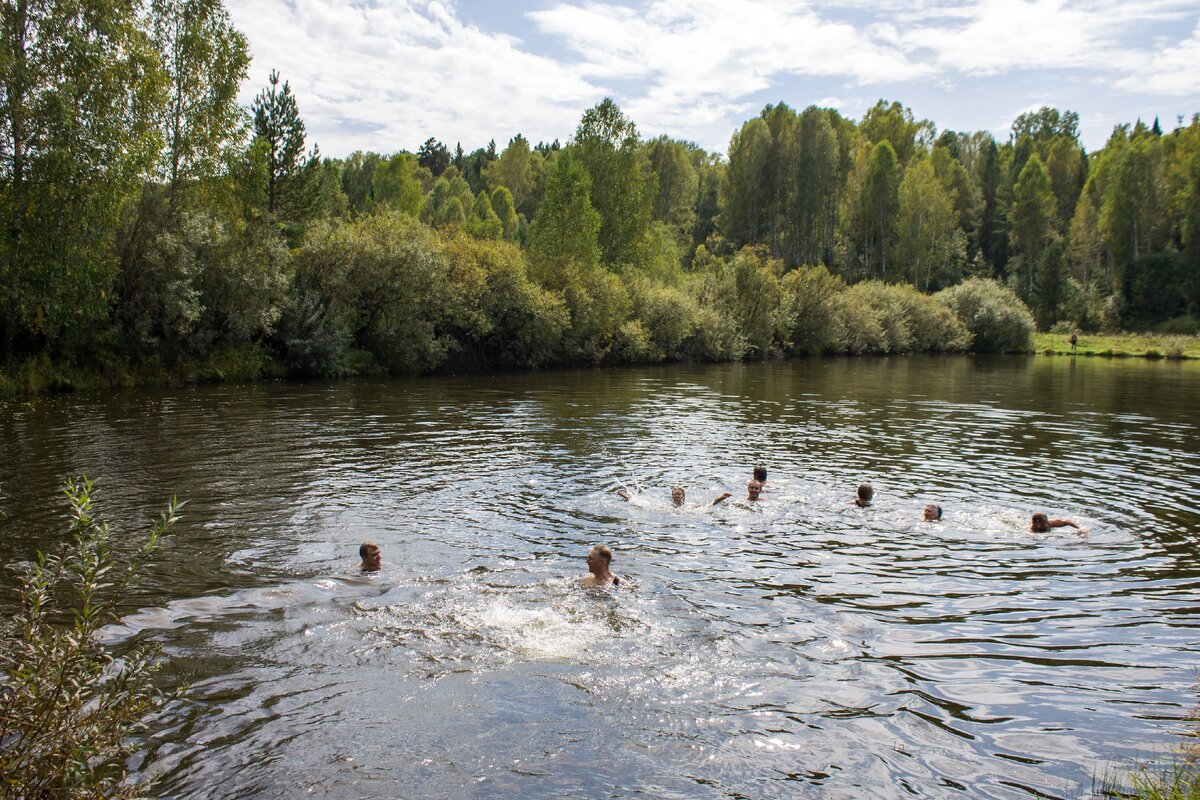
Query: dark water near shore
pixel 801 647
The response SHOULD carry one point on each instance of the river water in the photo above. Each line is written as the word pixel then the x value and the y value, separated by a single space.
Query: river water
pixel 797 647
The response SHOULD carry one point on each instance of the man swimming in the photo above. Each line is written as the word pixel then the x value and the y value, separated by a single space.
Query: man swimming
pixel 933 512
pixel 372 557
pixel 598 559
pixel 866 493
pixel 753 490
pixel 1041 523
pixel 760 475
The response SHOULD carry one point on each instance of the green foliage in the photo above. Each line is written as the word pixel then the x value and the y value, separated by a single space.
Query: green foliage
pixel 930 247
pixel 746 289
pixel 1032 219
pixel 482 222
pixel 678 181
pixel 996 318
pixel 817 176
pixel 193 278
pixel 679 327
pixel 808 310
pixel 1046 123
pixel 434 156
pixel 82 84
pixel 394 184
pixel 745 198
pixel 878 202
pixel 514 171
pixel 1185 324
pixel 205 59
pixel 599 306
pixel 894 124
pixel 330 201
pixel 145 236
pixel 244 290
pixel 521 324
pixel 876 317
pixel 71 703
pixel 567 227
pixel 447 203
pixel 622 188
pixel 502 205
pixel 278 126
pixel 383 280
pixel 1088 308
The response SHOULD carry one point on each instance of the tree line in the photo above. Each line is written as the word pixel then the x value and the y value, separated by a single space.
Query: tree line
pixel 154 226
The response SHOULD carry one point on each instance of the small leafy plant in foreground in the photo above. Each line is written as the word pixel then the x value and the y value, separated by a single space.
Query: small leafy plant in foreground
pixel 69 703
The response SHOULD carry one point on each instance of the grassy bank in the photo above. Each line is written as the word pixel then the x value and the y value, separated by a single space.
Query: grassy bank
pixel 1146 345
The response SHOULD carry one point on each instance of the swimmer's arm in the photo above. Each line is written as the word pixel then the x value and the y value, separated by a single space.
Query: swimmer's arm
pixel 722 498
pixel 621 493
pixel 1066 523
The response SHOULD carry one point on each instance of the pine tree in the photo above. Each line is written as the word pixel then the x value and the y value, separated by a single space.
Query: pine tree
pixel 278 125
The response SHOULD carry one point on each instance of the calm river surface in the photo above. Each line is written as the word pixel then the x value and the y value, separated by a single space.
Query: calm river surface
pixel 799 647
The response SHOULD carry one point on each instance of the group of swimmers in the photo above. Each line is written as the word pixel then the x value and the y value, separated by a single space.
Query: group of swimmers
pixel 600 558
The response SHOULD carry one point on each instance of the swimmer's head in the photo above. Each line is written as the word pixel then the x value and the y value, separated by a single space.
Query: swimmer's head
pixel 371 556
pixel 677 495
pixel 865 493
pixel 760 474
pixel 933 512
pixel 753 490
pixel 598 559
pixel 1039 523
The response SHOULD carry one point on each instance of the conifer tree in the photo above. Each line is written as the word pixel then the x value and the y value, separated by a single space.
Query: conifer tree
pixel 278 125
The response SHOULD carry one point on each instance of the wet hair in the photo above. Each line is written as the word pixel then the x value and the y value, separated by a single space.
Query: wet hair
pixel 937 509
pixel 865 492
pixel 367 547
pixel 604 553
pixel 1039 522
pixel 760 474
pixel 678 491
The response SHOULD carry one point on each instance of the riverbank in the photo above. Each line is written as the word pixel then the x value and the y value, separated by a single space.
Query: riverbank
pixel 1118 345
pixel 41 375
pixel 250 363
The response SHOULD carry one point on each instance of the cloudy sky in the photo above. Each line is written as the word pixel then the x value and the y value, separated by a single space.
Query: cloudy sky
pixel 385 75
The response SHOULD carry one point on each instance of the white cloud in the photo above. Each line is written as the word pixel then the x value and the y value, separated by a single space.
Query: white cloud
pixel 700 60
pixel 1174 71
pixel 387 76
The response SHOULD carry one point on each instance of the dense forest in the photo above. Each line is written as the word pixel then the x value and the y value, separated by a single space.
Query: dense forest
pixel 154 227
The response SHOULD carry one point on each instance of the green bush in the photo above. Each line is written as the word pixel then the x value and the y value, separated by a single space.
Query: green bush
pixel 599 305
pixel 860 331
pixel 385 279
pixel 506 320
pixel 632 344
pixel 808 308
pixel 69 703
pixel 903 320
pixel 996 318
pixel 1184 324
